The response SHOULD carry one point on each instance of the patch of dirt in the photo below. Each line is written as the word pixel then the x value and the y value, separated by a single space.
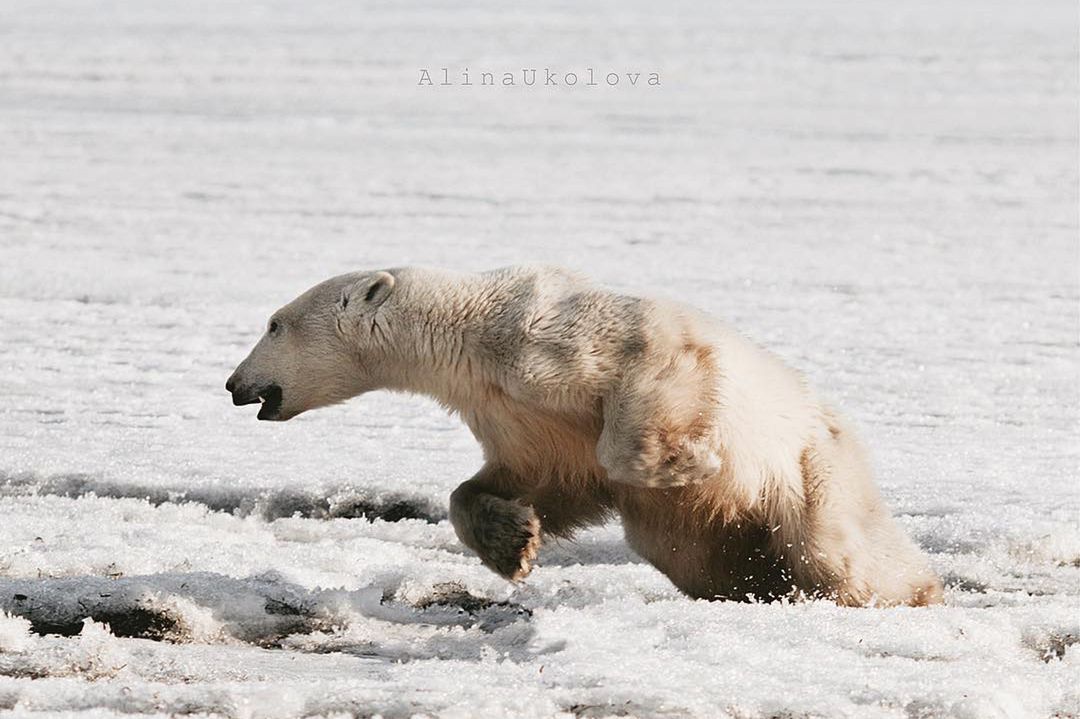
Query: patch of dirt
pixel 486 614
pixel 1052 646
pixel 138 622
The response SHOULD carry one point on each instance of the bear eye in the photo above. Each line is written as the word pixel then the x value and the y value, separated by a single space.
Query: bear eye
pixel 273 326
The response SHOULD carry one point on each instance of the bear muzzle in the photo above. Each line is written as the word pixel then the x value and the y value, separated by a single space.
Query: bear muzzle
pixel 270 396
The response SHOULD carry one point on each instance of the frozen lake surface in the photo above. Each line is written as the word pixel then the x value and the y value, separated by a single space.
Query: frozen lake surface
pixel 885 194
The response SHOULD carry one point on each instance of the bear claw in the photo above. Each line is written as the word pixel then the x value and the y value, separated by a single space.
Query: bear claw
pixel 527 554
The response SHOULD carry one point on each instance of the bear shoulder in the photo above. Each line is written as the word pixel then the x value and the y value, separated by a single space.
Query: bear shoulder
pixel 554 333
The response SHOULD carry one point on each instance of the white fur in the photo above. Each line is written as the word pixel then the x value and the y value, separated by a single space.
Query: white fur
pixel 588 402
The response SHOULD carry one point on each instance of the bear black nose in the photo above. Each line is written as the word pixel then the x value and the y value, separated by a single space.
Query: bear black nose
pixel 230 385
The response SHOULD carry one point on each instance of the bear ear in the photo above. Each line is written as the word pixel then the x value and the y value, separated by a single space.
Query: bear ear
pixel 371 291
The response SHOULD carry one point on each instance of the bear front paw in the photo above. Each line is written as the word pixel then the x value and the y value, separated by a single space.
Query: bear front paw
pixel 505 534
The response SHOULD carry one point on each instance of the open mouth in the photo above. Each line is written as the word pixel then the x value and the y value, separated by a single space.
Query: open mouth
pixel 271 402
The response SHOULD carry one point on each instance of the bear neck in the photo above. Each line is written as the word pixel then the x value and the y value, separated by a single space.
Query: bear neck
pixel 447 320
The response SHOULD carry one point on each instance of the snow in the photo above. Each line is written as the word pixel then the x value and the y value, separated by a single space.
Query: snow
pixel 884 194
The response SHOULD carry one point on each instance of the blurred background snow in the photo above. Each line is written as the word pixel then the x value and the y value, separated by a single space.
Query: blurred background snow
pixel 883 193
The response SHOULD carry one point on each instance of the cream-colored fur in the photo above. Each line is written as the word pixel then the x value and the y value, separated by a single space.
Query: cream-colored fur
pixel 729 474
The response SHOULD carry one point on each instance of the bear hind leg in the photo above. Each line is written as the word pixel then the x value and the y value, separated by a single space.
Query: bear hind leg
pixel 845 543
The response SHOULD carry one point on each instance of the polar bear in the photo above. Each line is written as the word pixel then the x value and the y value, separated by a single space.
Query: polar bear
pixel 729 475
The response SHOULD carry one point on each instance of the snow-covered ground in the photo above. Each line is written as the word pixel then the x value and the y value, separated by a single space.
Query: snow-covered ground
pixel 885 193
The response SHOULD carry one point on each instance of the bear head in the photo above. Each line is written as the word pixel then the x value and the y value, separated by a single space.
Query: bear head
pixel 327 345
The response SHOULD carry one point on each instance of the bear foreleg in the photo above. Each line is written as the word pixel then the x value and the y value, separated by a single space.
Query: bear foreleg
pixel 501 515
pixel 658 435
pixel 503 531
